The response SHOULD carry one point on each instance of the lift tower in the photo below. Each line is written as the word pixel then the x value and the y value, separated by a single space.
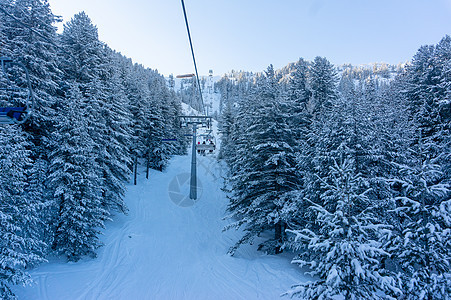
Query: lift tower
pixel 195 121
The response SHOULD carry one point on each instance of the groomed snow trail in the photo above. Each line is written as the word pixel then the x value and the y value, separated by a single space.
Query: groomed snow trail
pixel 162 250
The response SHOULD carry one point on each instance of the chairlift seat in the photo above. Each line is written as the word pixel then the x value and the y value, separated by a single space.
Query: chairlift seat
pixel 15 115
pixel 205 147
pixel 11 115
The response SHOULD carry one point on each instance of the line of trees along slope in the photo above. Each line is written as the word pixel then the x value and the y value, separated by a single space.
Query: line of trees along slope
pixel 350 171
pixel 63 173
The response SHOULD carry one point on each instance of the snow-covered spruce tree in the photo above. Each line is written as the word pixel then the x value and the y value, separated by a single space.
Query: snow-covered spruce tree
pixel 344 249
pixel 235 109
pixel 224 87
pixel 267 175
pixel 429 86
pixel 298 96
pixel 171 110
pixel 342 130
pixel 298 89
pixel 421 184
pixel 422 244
pixel 94 68
pixel 364 116
pixel 76 181
pixel 82 59
pixel 238 144
pixel 323 83
pixel 157 152
pixel 138 98
pixel 118 120
pixel 226 126
pixel 428 92
pixel 20 243
pixel 175 104
pixel 322 132
pixel 392 132
pixel 31 38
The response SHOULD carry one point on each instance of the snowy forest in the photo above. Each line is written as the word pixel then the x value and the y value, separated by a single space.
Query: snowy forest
pixel 97 115
pixel 348 169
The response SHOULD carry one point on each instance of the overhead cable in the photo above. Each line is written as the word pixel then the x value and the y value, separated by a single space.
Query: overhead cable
pixel 194 58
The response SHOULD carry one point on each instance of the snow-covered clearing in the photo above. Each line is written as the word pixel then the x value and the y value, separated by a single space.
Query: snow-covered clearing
pixel 161 250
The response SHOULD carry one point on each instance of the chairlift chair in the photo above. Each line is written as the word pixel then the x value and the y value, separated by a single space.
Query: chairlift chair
pixel 207 145
pixel 13 90
pixel 185 76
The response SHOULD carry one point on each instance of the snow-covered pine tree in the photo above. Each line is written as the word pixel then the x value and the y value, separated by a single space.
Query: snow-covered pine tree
pixel 298 94
pixel 84 61
pixel 175 110
pixel 263 183
pixel 138 98
pixel 321 128
pixel 76 181
pixel 238 143
pixel 225 128
pixel 31 38
pixel 170 110
pixel 157 130
pixel 223 85
pixel 323 81
pixel 422 245
pixel 298 89
pixel 343 250
pixel 118 120
pixel 20 245
pixel 181 147
pixel 429 93
pixel 420 180
pixel 96 70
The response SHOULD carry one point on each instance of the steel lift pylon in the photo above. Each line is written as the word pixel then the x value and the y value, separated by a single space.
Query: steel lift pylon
pixel 195 122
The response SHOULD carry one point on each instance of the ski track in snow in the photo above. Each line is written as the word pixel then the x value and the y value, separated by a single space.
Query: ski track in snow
pixel 164 251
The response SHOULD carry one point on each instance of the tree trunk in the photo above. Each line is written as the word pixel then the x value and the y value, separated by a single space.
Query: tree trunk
pixel 148 165
pixel 278 235
pixel 136 168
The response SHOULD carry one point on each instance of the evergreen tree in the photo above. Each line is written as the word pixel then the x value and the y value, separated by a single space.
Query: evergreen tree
pixel 226 128
pixel 157 130
pixel 181 147
pixel 20 245
pixel 422 243
pixel 95 69
pixel 345 247
pixel 299 95
pixel 31 39
pixel 138 95
pixel 324 127
pixel 118 119
pixel 323 83
pixel 298 89
pixel 76 181
pixel 420 179
pixel 263 182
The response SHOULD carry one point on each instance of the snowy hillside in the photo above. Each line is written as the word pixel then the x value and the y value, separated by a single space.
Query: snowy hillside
pixel 210 97
pixel 168 247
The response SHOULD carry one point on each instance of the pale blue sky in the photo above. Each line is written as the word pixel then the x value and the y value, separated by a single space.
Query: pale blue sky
pixel 251 34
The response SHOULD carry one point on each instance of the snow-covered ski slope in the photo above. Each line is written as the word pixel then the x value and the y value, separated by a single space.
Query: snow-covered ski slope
pixel 168 248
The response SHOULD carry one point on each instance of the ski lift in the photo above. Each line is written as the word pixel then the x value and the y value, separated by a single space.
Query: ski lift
pixel 15 89
pixel 185 76
pixel 206 145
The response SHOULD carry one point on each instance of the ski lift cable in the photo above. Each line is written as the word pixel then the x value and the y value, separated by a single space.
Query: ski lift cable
pixel 192 52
